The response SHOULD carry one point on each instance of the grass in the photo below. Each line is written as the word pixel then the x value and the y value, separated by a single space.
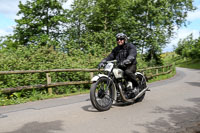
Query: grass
pixel 11 99
pixel 163 77
pixel 189 63
pixel 172 57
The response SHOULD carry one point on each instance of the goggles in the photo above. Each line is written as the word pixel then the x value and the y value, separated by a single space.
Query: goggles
pixel 120 39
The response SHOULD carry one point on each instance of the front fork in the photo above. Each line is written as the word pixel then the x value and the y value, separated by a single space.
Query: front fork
pixel 111 83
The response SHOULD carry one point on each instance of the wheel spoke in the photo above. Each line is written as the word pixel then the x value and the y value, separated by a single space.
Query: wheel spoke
pixel 102 99
pixel 105 100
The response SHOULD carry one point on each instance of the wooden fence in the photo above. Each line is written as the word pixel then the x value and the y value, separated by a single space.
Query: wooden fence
pixel 149 72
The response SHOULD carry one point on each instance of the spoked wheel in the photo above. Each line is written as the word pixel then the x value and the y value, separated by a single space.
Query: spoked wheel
pixel 101 94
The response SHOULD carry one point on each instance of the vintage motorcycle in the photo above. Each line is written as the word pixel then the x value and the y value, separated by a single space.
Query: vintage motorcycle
pixel 113 87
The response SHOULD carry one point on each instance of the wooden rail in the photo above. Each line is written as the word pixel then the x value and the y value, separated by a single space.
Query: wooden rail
pixel 165 70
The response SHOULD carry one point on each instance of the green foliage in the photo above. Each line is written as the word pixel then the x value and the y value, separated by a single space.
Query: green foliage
pixel 34 58
pixel 163 77
pixel 189 47
pixel 153 57
pixel 105 15
pixel 7 42
pixel 188 63
pixel 179 61
pixel 95 43
pixel 149 26
pixel 43 23
pixel 46 23
pixel 22 97
pixel 42 58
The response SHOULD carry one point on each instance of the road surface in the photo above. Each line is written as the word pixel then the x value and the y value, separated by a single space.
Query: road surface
pixel 172 106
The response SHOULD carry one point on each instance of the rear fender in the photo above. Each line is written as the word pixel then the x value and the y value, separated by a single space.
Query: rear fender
pixel 138 73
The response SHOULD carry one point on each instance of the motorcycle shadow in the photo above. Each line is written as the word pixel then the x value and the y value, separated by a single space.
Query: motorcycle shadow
pixel 89 108
pixel 122 104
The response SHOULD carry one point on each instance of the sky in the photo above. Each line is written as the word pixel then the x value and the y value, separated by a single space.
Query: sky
pixel 9 9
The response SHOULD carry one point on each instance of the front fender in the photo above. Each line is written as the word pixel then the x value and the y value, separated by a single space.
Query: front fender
pixel 95 78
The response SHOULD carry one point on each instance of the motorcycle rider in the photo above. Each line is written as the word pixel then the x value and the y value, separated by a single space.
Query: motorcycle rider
pixel 125 53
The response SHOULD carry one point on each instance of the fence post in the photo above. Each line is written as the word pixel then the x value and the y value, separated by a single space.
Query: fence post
pixel 157 73
pixel 91 75
pixel 48 82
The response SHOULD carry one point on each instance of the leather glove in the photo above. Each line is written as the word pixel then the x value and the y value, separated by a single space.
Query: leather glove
pixel 121 65
pixel 126 62
pixel 101 64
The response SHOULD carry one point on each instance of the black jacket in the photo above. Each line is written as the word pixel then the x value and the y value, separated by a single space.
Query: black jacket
pixel 121 53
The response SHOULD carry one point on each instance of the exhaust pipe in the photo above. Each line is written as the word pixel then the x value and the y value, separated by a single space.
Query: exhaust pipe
pixel 141 93
pixel 123 97
pixel 132 100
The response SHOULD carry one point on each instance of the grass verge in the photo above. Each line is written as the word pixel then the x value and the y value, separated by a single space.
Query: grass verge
pixel 163 77
pixel 189 63
pixel 11 99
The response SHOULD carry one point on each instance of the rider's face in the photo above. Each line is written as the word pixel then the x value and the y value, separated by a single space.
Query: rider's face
pixel 120 41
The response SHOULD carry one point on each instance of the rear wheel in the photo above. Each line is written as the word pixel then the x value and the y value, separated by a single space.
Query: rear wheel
pixel 142 85
pixel 101 94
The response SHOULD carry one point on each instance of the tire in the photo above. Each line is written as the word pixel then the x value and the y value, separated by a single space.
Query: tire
pixel 142 83
pixel 101 95
pixel 140 98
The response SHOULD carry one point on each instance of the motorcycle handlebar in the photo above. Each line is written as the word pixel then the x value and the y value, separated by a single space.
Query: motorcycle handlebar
pixel 112 61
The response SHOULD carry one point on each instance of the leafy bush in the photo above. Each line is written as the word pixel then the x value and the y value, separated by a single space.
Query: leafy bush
pixel 43 58
pixel 189 47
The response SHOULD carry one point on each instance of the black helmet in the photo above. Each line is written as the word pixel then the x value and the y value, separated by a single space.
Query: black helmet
pixel 121 35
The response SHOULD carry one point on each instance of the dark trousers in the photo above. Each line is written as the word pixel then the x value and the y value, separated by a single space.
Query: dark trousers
pixel 130 73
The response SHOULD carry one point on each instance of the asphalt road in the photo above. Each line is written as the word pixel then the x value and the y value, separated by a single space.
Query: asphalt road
pixel 172 106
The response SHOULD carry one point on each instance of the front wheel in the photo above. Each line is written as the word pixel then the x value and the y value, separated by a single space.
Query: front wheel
pixel 102 93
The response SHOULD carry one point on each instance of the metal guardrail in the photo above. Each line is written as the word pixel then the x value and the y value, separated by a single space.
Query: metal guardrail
pixel 165 70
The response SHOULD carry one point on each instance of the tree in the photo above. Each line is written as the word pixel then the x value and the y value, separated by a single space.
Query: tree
pixel 78 19
pixel 148 23
pixel 189 47
pixel 105 14
pixel 92 24
pixel 42 23
pixel 153 22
